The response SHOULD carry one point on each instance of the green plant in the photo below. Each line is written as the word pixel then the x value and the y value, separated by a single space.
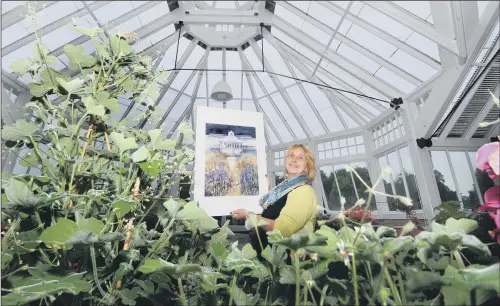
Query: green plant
pixel 448 209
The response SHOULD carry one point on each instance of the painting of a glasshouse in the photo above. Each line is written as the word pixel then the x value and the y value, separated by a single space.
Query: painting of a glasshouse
pixel 250 153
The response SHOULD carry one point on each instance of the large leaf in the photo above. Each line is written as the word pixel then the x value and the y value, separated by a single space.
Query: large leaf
pixel 40 89
pixel 298 241
pixel 393 245
pixel 158 143
pixel 29 160
pixel 19 193
pixel 78 59
pixel 422 280
pixel 40 54
pixel 385 231
pixel 141 155
pixel 124 206
pixel 39 286
pixel 124 144
pixel 463 225
pixel 21 66
pixel 110 103
pixel 120 47
pixel 92 225
pixel 57 234
pixel 459 283
pixel 210 278
pixel 6 258
pixel 154 265
pixel 287 275
pixel 91 32
pixel 152 167
pixel 242 299
pixel 93 107
pixel 275 254
pixel 248 252
pixel 21 130
pixel 71 86
pixel 331 242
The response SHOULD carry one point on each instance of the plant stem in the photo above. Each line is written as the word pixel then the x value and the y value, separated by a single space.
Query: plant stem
pixel 96 277
pixel 232 289
pixel 312 295
pixel 181 290
pixel 297 280
pixel 355 280
pixel 401 287
pixel 459 259
pixel 305 294
pixel 392 286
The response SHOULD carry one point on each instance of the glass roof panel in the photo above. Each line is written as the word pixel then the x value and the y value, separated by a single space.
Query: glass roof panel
pixel 234 80
pixel 154 12
pixel 324 15
pixel 246 90
pixel 288 115
pixel 278 124
pixel 424 45
pixel 394 80
pixel 299 100
pixel 10 5
pixel 202 90
pixel 49 15
pixel 167 99
pixel 318 98
pixel 179 107
pixel 358 58
pixel 258 90
pixel 315 33
pixel 348 120
pixel 370 41
pixel 274 58
pixel 248 105
pixel 412 65
pixel 13 33
pixel 112 10
pixel 234 104
pixel 302 5
pixel 331 119
pixel 421 9
pixel 385 23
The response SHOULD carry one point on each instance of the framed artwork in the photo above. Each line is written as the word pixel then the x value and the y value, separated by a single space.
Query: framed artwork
pixel 230 162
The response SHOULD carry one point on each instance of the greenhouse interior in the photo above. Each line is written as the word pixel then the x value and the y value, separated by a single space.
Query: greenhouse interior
pixel 250 153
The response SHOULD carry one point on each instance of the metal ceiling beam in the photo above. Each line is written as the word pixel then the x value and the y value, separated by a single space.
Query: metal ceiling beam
pixel 383 35
pixel 488 106
pixel 162 45
pixel 141 32
pixel 282 91
pixel 445 22
pixel 222 16
pixel 332 96
pixel 246 66
pixel 339 61
pixel 12 81
pixel 308 99
pixel 350 43
pixel 172 76
pixel 416 24
pixel 51 27
pixel 423 89
pixel 20 12
pixel 188 112
pixel 445 87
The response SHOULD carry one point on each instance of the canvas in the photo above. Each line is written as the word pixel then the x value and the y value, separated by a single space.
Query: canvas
pixel 230 163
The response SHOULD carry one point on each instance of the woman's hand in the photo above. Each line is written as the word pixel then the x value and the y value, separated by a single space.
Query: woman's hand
pixel 239 214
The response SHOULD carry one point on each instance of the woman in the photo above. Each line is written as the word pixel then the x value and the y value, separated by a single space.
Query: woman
pixel 289 207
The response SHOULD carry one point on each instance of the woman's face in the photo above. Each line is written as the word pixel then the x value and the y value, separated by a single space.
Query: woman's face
pixel 296 162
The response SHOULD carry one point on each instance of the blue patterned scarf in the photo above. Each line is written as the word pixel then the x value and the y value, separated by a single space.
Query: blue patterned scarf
pixel 282 189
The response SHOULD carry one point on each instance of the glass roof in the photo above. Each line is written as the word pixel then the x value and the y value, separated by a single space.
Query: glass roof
pixel 353 46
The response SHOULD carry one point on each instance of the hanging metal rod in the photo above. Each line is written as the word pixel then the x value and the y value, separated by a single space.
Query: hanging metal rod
pixel 282 75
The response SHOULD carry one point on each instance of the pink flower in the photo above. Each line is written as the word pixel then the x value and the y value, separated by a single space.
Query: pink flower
pixel 491 199
pixel 487 159
pixel 495 217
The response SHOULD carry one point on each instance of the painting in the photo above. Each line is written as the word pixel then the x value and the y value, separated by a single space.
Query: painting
pixel 230 160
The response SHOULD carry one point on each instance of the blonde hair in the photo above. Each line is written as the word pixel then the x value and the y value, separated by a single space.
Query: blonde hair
pixel 310 165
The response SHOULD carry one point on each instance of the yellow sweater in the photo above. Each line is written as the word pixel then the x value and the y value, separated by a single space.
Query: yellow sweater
pixel 299 213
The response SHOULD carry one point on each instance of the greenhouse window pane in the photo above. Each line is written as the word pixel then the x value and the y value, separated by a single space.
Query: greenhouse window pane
pixel 318 98
pixel 266 81
pixel 385 23
pixel 394 80
pixel 258 90
pixel 217 104
pixel 248 105
pixel 113 10
pixel 324 15
pixel 348 120
pixel 50 14
pixel 302 5
pixel 59 37
pixel 465 181
pixel 411 180
pixel 274 58
pixel 234 104
pixel 424 45
pixel 358 59
pixel 422 9
pixel 179 108
pixel 307 53
pixel 412 65
pixel 234 80
pixel 288 16
pixel 397 177
pixel 130 25
pixel 305 110
pixel 371 42
pixel 154 13
pixel 361 169
pixel 279 125
pixel 233 61
pixel 190 88
pixel 315 33
pixel 288 115
pixel 330 186
pixel 10 5
pixel 13 33
pixel 180 79
pixel 443 176
pixel 284 37
pixel 246 89
pixel 331 120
